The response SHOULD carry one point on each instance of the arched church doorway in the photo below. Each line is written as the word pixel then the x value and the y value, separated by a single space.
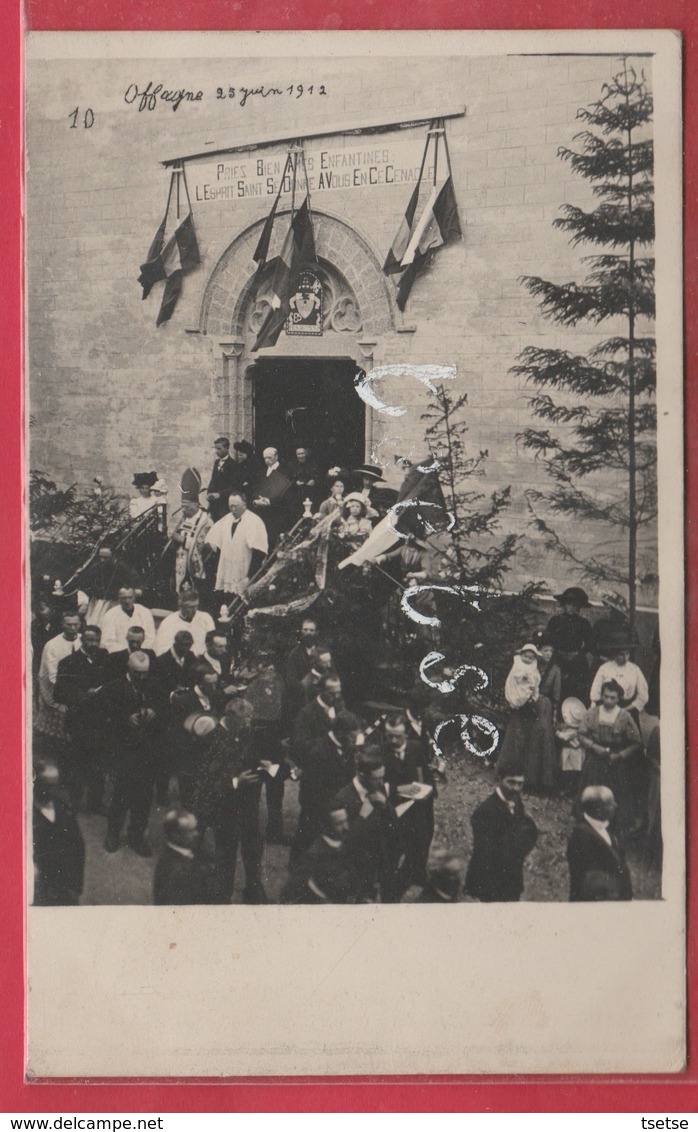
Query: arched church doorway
pixel 309 402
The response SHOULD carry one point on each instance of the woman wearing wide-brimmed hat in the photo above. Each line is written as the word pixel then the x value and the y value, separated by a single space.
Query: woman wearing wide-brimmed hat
pixel 529 740
pixel 570 634
pixel 150 492
pixel 369 476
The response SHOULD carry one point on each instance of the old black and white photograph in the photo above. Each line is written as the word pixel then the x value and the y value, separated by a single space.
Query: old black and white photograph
pixel 346 506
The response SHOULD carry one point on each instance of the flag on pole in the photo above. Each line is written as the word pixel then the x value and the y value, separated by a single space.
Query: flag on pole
pixel 393 260
pixel 262 250
pixel 438 225
pixel 297 251
pixel 173 253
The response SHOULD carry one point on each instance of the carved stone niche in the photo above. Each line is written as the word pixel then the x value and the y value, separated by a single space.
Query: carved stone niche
pixel 340 310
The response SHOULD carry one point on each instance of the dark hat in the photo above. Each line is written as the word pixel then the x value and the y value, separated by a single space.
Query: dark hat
pixel 369 470
pixel 144 479
pixel 574 595
pixel 541 639
pixel 243 446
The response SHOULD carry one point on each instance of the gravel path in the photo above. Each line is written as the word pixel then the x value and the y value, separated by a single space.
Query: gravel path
pixel 124 878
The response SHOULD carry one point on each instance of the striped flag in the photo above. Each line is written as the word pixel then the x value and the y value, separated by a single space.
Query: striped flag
pixel 262 250
pixel 438 225
pixel 393 260
pixel 173 253
pixel 297 251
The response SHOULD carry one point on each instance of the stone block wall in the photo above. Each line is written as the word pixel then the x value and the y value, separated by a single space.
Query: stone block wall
pixel 110 393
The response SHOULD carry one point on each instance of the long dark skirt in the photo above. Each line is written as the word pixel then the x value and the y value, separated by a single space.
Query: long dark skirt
pixel 529 742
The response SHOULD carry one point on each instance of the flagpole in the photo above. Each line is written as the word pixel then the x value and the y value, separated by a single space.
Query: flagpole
pixel 169 197
pixel 307 193
pixel 186 186
pixel 293 183
pixel 437 133
pixel 426 150
pixel 179 173
pixel 262 249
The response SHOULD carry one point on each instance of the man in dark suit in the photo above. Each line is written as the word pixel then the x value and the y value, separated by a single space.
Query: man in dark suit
pixel 503 836
pixel 406 762
pixel 316 718
pixel 324 874
pixel 59 849
pixel 225 796
pixel 304 475
pixel 270 497
pixel 225 477
pixel 216 656
pixel 323 663
pixel 371 843
pixel 300 659
pixel 134 713
pixel 173 670
pixel 596 861
pixel 118 661
pixel 183 872
pixel 80 676
pixel 328 765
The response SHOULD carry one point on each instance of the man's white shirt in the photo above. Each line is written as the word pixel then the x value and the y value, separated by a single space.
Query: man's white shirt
pixel 201 624
pixel 116 623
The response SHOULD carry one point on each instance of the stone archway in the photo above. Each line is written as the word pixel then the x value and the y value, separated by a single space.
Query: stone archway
pixel 361 311
pixel 338 246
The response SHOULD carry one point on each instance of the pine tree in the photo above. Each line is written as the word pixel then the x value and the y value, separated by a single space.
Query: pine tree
pixel 610 425
pixel 478 556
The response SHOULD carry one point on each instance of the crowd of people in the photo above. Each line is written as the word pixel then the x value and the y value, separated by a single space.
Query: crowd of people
pixel 134 708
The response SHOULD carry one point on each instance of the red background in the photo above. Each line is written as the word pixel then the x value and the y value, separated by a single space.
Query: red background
pixel 521 1094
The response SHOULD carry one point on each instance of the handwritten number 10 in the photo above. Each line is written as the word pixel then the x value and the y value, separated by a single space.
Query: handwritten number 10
pixel 88 118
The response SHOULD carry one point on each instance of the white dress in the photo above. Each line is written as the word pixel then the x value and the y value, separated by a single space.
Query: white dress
pixel 236 546
pixel 139 504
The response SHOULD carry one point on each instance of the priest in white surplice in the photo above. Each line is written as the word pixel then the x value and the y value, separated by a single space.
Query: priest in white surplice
pixel 242 540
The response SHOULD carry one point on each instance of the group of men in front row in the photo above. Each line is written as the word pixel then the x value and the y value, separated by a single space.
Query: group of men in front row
pixel 178 721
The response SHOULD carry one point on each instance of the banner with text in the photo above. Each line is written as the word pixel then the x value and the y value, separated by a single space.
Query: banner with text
pixel 239 176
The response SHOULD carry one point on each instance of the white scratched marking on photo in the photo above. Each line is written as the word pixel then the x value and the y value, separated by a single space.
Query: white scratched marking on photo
pixel 446 686
pixel 481 723
pixel 427 374
pixel 405 503
pixel 424 618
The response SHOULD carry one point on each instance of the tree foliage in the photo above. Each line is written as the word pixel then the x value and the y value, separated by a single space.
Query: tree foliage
pixel 480 555
pixel 599 446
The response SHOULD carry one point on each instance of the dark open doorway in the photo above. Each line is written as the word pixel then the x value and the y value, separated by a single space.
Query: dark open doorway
pixel 309 402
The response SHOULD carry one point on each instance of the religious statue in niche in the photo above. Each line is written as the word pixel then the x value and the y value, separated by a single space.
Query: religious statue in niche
pixel 305 306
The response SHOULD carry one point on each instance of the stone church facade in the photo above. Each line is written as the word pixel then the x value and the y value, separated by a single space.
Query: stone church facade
pixel 110 394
